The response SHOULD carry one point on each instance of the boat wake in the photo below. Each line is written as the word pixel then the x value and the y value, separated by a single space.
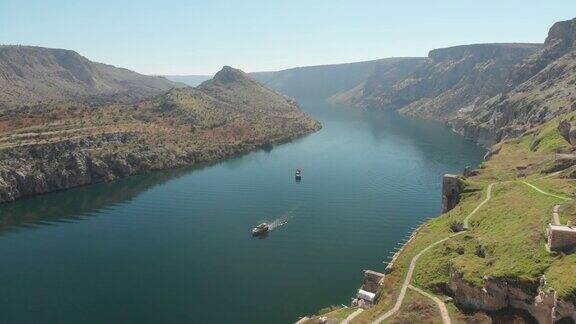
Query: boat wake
pixel 282 220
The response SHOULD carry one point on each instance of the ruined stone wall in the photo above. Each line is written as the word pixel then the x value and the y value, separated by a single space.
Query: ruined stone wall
pixel 452 187
pixel 561 237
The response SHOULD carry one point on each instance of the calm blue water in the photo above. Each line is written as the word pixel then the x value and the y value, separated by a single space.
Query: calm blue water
pixel 175 246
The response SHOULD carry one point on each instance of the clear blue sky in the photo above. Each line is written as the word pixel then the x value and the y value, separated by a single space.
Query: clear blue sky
pixel 198 37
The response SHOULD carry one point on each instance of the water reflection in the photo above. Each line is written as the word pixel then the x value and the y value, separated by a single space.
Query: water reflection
pixel 63 207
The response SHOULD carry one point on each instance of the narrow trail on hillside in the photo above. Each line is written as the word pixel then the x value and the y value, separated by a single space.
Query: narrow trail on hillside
pixel 488 197
pixel 412 266
pixel 352 316
pixel 443 310
pixel 544 192
pixel 406 284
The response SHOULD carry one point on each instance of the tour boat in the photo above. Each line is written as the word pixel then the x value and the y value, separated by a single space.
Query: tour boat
pixel 261 229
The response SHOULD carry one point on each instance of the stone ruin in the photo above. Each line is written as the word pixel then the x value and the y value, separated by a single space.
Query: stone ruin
pixel 452 187
pixel 561 237
pixel 370 291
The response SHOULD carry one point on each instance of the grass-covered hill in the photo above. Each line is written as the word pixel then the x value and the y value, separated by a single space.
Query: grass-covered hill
pixel 55 145
pixel 501 262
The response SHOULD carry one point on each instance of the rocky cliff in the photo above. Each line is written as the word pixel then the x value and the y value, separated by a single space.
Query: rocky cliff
pixel 61 145
pixel 448 80
pixel 545 87
pixel 488 92
pixel 496 295
pixel 452 187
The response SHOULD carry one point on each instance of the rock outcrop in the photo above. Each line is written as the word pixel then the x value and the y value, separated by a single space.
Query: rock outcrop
pixel 448 80
pixel 544 86
pixel 452 187
pixel 568 131
pixel 495 295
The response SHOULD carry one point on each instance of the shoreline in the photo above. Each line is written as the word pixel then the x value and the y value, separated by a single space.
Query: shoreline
pixel 183 163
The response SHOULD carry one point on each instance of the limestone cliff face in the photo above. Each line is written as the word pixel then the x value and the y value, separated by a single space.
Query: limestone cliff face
pixel 452 187
pixel 544 87
pixel 42 168
pixel 448 80
pixel 568 131
pixel 487 92
pixel 37 169
pixel 496 295
pixel 462 76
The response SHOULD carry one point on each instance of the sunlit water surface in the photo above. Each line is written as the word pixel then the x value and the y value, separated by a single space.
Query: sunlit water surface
pixel 176 246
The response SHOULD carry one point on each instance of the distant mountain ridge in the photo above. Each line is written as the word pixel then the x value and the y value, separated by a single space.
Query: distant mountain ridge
pixel 30 74
pixel 488 92
pixel 325 81
pixel 191 80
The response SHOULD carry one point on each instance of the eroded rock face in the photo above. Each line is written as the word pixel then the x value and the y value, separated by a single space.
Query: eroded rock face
pixel 568 131
pixel 450 79
pixel 543 87
pixel 452 187
pixel 497 295
pixel 42 168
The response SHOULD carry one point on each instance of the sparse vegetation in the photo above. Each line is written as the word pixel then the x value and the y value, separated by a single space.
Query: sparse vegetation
pixel 506 241
pixel 95 142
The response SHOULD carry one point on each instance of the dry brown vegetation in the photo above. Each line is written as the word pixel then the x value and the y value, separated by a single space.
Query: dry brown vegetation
pixel 57 145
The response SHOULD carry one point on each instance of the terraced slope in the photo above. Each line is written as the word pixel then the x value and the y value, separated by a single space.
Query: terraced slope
pixel 60 145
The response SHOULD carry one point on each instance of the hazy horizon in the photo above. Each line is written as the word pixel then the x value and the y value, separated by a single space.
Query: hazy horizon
pixel 198 38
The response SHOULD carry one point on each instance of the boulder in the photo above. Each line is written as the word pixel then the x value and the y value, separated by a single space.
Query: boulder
pixel 568 131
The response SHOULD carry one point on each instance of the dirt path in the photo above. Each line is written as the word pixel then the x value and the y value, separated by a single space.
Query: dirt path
pixel 443 310
pixel 488 196
pixel 351 316
pixel 544 192
pixel 441 305
pixel 412 266
pixel 409 278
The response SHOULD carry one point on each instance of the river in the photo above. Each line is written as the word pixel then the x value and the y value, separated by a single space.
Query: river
pixel 175 246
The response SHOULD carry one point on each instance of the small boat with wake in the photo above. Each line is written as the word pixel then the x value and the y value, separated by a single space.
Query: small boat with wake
pixel 261 229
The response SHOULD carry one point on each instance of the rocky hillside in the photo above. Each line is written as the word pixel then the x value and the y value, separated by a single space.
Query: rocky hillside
pixel 545 87
pixel 59 145
pixel 325 81
pixel 493 258
pixel 488 92
pixel 35 74
pixel 449 79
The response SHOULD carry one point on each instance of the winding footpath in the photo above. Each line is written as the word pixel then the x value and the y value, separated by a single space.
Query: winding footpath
pixel 406 284
pixel 412 266
pixel 488 197
pixel 544 192
pixel 443 310
pixel 351 316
